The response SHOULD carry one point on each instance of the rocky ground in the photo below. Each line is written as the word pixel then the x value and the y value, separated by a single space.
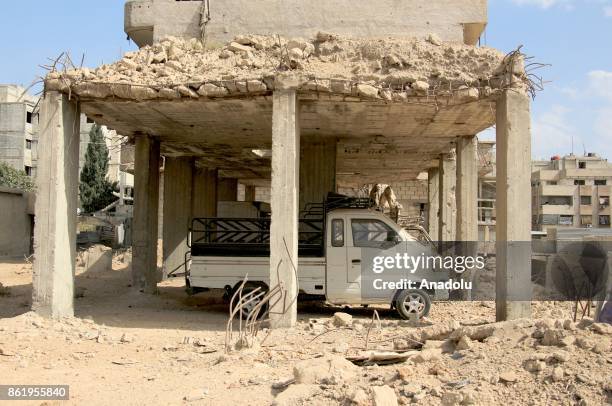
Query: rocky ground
pixel 127 348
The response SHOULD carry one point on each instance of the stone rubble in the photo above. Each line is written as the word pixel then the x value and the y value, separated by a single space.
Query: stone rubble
pixel 387 69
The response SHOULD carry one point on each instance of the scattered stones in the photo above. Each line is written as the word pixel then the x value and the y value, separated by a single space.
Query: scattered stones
pixel 464 343
pixel 508 377
pixel 359 397
pixel 602 328
pixel 342 319
pixel 427 355
pixel 557 374
pixel 330 370
pixel 367 91
pixel 534 365
pixel 384 396
pixel 295 394
pixel 127 338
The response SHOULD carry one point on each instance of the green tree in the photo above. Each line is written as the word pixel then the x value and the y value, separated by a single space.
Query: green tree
pixel 95 190
pixel 14 178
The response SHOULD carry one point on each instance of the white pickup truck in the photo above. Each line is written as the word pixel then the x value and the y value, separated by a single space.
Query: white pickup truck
pixel 332 237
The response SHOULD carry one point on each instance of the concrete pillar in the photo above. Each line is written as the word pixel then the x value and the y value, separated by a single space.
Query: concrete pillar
pixel 467 203
pixel 284 204
pixel 249 193
pixel 146 205
pixel 56 207
pixel 446 194
pixel 204 193
pixel 227 190
pixel 467 188
pixel 513 279
pixel 317 169
pixel 433 183
pixel 178 182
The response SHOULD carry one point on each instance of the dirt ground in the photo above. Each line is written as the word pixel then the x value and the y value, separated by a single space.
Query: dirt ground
pixel 126 348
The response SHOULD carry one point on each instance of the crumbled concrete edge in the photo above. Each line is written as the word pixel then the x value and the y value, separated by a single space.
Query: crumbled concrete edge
pixel 391 70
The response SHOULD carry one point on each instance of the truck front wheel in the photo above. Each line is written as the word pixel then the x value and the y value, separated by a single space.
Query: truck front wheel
pixel 409 303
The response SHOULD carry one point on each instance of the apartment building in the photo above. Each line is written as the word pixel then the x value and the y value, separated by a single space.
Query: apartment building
pixel 18 128
pixel 571 191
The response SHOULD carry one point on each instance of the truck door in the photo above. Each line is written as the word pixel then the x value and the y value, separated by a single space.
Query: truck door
pixel 339 286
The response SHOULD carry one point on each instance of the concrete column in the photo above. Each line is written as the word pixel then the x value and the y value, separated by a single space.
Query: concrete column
pixel 467 188
pixel 146 205
pixel 249 193
pixel 227 190
pixel 467 203
pixel 204 193
pixel 284 204
pixel 56 207
pixel 317 169
pixel 433 183
pixel 513 279
pixel 178 182
pixel 446 194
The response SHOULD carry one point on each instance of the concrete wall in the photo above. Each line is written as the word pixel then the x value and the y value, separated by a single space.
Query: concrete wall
pixel 15 223
pixel 147 21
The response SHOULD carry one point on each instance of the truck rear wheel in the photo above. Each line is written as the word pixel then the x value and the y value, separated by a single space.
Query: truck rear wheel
pixel 252 304
pixel 411 302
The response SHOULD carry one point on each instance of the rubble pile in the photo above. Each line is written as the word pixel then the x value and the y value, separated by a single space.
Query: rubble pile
pixel 389 69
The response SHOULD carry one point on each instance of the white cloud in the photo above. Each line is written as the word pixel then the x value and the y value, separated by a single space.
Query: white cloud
pixel 600 84
pixel 607 11
pixel 544 3
pixel 553 133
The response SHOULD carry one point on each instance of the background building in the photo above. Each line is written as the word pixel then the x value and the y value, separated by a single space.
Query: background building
pixel 572 191
pixel 18 128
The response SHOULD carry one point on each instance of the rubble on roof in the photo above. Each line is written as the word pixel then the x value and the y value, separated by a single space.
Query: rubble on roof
pixel 388 69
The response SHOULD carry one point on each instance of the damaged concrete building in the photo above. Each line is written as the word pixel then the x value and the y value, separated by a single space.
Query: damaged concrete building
pixel 308 97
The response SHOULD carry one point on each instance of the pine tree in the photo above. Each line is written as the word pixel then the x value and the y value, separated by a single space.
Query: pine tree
pixel 96 191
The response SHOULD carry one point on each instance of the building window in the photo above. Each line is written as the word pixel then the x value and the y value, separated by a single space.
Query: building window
pixel 28 144
pixel 582 165
pixel 604 201
pixel 600 182
pixel 566 220
pixel 89 121
pixel 28 170
pixel 604 220
pixel 586 220
pixel 29 117
pixel 579 182
pixel 585 200
pixel 552 182
pixel 337 231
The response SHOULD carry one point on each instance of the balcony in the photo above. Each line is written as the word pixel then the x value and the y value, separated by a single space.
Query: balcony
pixel 557 209
pixel 557 190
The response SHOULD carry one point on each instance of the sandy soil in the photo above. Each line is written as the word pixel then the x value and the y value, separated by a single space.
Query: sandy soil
pixel 124 347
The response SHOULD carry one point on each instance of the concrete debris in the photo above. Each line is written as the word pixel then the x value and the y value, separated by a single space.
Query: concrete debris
pixel 359 397
pixel 342 319
pixel 359 67
pixel 508 377
pixel 296 394
pixel 329 370
pixel 383 396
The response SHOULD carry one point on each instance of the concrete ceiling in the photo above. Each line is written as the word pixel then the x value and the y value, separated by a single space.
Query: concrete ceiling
pixel 376 140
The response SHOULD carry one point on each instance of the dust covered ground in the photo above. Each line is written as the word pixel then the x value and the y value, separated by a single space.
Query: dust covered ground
pixel 124 347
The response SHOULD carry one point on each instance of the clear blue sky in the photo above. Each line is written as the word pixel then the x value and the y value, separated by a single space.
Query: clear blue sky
pixel 575 36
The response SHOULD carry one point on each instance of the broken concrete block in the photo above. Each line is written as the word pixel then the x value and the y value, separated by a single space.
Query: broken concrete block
pixel 295 395
pixel 251 86
pixel 210 90
pixel 186 92
pixel 367 91
pixel 239 49
pixel 330 370
pixel 384 396
pixel 342 319
pixel 170 94
pixel 420 87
